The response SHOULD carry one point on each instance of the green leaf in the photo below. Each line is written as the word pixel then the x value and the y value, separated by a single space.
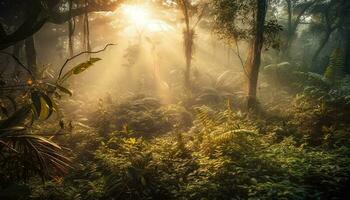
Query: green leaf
pixel 42 105
pixel 46 102
pixel 35 96
pixel 83 66
pixel 65 90
pixel 79 68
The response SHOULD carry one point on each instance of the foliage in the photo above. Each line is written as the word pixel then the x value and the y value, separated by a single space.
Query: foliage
pixel 225 155
pixel 145 116
pixel 235 21
pixel 203 145
pixel 24 152
pixel 335 69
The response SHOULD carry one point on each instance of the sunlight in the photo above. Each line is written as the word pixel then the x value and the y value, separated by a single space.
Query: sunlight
pixel 137 14
pixel 141 16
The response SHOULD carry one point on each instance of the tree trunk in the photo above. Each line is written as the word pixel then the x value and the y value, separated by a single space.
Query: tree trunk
pixel 188 43
pixel 31 54
pixel 71 24
pixel 347 52
pixel 17 48
pixel 323 43
pixel 290 31
pixel 255 54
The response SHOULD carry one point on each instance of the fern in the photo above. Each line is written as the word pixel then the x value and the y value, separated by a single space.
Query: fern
pixel 335 69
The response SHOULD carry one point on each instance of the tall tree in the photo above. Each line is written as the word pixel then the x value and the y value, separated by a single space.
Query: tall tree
pixel 254 57
pixel 192 14
pixel 237 20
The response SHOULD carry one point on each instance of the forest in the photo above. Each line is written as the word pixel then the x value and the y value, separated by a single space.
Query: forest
pixel 174 99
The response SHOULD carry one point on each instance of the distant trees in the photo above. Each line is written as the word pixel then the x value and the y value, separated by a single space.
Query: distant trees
pixel 330 16
pixel 20 20
pixel 323 19
pixel 296 11
pixel 192 14
pixel 237 20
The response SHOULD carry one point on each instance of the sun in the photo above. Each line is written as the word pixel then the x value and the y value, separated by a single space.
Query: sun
pixel 137 14
pixel 143 18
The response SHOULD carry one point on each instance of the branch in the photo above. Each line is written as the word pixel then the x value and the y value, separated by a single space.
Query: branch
pixel 33 23
pixel 60 18
pixel 297 21
pixel 200 16
pixel 79 54
pixel 240 57
pixel 20 63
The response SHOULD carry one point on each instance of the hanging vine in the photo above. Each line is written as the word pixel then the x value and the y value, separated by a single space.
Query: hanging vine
pixel 86 34
pixel 71 27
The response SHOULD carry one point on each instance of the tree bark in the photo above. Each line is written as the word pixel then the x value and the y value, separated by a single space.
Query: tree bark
pixel 255 54
pixel 290 32
pixel 323 43
pixel 188 43
pixel 17 48
pixel 347 51
pixel 31 54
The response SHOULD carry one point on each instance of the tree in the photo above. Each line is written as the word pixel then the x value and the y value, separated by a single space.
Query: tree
pixel 23 19
pixel 189 11
pixel 28 17
pixel 237 20
pixel 296 11
pixel 254 57
pixel 333 16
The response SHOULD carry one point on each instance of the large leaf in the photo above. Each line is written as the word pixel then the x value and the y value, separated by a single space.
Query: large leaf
pixel 47 104
pixel 35 96
pixel 32 155
pixel 42 105
pixel 65 90
pixel 79 68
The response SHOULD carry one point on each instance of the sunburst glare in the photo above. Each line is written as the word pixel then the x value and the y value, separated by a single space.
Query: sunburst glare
pixel 143 18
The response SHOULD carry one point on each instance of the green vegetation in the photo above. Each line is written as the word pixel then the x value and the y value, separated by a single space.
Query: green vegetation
pixel 165 113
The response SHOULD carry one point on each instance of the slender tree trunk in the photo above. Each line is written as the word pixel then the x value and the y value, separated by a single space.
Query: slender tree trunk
pixel 290 32
pixel 87 28
pixel 188 55
pixel 255 54
pixel 188 43
pixel 323 43
pixel 70 29
pixel 31 54
pixel 17 48
pixel 347 52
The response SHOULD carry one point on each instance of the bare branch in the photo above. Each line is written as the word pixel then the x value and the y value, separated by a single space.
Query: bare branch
pixel 240 57
pixel 79 54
